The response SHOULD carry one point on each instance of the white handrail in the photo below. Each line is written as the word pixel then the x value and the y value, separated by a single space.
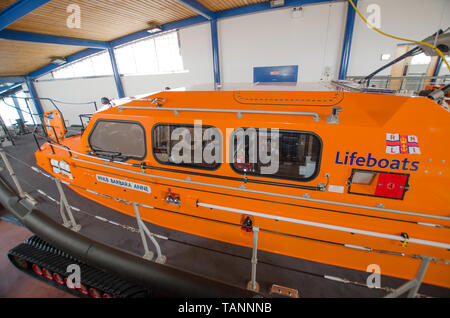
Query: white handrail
pixel 326 226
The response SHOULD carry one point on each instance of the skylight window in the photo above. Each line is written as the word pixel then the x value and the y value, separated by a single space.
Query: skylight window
pixel 154 55
pixel 97 65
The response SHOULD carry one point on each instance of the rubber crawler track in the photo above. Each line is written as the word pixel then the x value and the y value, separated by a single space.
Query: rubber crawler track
pixel 36 251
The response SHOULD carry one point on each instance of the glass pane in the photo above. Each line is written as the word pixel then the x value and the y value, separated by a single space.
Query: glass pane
pixel 284 154
pixel 8 111
pixel 178 145
pixel 84 68
pixel 122 138
pixel 168 52
pixel 64 72
pixel 96 65
pixel 125 60
pixel 23 107
pixel 145 56
pixel 153 55
pixel 102 64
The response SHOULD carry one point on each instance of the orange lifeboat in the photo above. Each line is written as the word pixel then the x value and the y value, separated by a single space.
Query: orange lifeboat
pixel 340 177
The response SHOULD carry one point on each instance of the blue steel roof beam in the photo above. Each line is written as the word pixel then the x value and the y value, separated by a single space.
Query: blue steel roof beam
pixel 115 68
pixel 12 79
pixel 18 10
pixel 50 39
pixel 72 58
pixel 265 6
pixel 5 89
pixel 198 8
pixel 347 46
pixel 215 51
pixel 34 96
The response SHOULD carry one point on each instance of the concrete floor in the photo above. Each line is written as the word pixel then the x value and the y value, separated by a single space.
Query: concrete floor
pixel 214 259
pixel 13 283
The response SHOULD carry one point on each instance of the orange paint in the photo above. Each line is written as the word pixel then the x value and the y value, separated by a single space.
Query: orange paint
pixel 54 124
pixel 364 122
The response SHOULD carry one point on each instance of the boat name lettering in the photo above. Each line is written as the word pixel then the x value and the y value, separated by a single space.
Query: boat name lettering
pixel 124 183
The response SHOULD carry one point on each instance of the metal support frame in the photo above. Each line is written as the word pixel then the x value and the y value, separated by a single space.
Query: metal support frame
pixel 252 284
pixel 413 285
pixel 34 96
pixel 215 51
pixel 143 231
pixel 8 166
pixel 50 39
pixel 64 205
pixel 346 49
pixel 18 109
pixel 12 79
pixel 115 69
pixel 7 133
pixel 6 89
pixel 437 68
pixel 18 10
pixel 265 6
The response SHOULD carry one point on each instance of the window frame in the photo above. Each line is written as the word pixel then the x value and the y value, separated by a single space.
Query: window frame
pixel 159 65
pixel 274 176
pixel 122 121
pixel 184 165
pixel 74 63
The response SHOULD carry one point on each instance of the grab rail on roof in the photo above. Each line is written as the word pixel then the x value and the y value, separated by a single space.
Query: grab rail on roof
pixel 239 112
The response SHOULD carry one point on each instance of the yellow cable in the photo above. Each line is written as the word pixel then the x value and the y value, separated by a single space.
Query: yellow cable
pixel 398 38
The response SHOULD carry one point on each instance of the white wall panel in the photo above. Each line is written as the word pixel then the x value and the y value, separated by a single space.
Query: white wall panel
pixel 312 41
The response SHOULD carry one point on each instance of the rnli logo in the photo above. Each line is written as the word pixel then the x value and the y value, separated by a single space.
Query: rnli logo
pixel 396 143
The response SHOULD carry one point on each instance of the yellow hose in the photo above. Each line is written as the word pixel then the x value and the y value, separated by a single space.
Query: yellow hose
pixel 398 38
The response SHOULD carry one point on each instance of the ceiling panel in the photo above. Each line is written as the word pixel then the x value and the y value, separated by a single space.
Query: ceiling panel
pixel 101 20
pixel 21 58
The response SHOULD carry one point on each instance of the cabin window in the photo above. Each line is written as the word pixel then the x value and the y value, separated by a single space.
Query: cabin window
pixel 118 139
pixel 291 155
pixel 194 146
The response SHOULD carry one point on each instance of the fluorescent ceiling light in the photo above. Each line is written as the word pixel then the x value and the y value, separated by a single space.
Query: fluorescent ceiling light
pixel 385 57
pixel 59 61
pixel 154 28
pixel 276 3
